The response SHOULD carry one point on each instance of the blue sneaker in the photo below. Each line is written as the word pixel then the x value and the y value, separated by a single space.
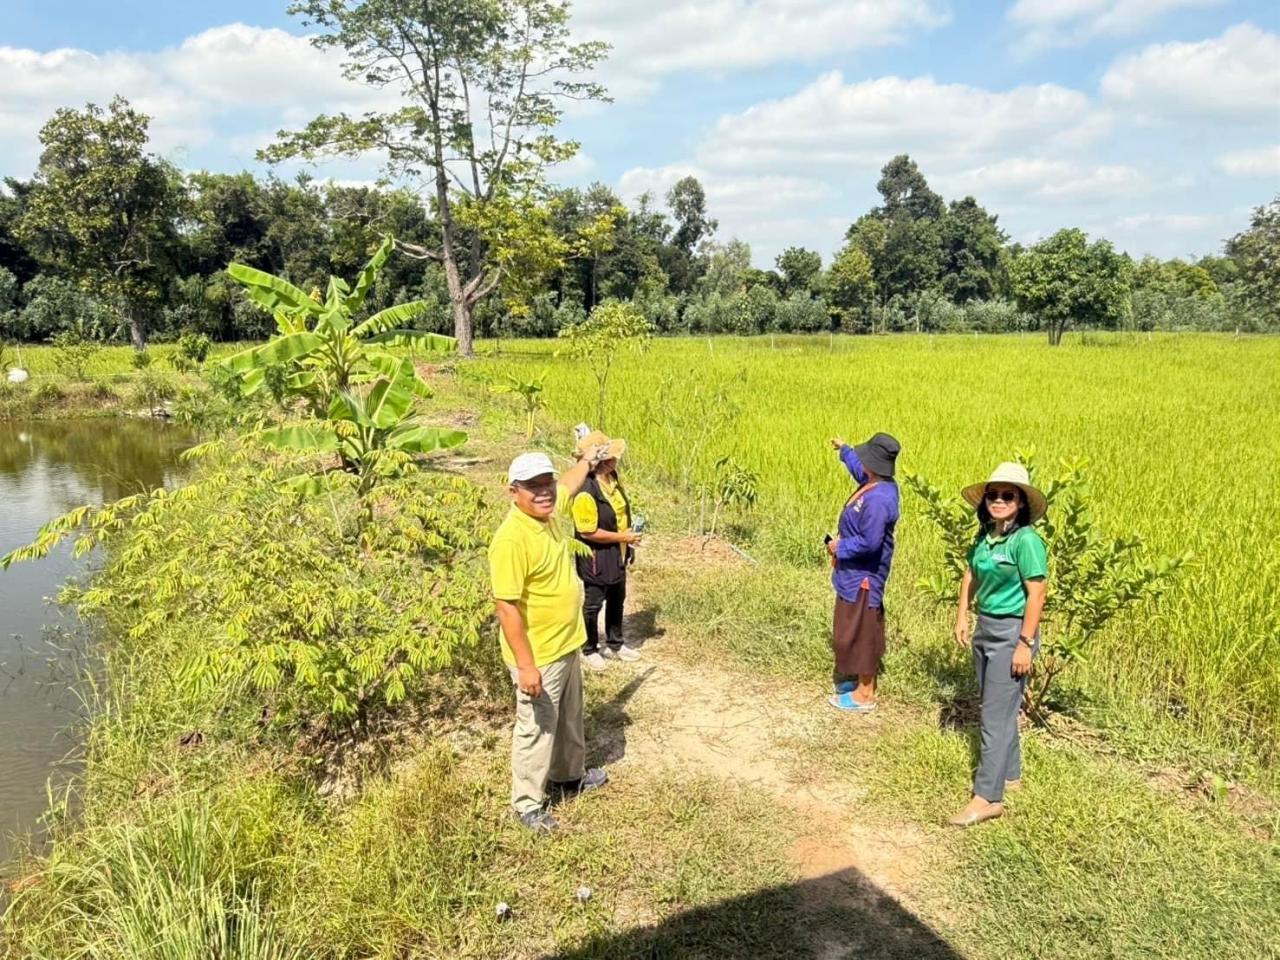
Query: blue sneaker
pixel 847 703
pixel 846 686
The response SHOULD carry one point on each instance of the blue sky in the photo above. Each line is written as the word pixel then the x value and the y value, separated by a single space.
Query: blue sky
pixel 1155 123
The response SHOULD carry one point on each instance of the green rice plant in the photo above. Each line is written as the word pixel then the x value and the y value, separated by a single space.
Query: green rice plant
pixel 1172 426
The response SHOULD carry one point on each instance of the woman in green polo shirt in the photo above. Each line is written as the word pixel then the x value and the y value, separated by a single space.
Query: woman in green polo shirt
pixel 1006 578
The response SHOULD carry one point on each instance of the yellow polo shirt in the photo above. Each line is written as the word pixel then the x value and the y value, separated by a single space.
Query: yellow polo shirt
pixel 531 565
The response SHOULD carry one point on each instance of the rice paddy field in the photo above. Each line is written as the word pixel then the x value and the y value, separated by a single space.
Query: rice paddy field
pixel 1181 433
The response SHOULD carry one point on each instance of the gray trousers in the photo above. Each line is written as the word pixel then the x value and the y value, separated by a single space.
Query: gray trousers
pixel 994 641
pixel 548 743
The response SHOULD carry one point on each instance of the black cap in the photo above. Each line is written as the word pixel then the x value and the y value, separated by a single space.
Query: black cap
pixel 879 454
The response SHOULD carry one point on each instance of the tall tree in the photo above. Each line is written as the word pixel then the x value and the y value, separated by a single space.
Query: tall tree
pixel 851 287
pixel 971 252
pixel 903 236
pixel 1256 252
pixel 103 210
pixel 905 192
pixel 687 202
pixel 800 270
pixel 483 83
pixel 1066 280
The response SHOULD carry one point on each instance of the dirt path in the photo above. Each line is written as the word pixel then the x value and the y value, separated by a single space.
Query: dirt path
pixel 701 719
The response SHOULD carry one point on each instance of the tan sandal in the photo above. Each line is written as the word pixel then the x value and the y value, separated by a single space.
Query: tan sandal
pixel 971 818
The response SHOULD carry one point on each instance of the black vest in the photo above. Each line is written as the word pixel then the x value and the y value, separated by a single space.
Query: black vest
pixel 607 563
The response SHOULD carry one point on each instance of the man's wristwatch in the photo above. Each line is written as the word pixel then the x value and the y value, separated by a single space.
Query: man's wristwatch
pixel 1029 641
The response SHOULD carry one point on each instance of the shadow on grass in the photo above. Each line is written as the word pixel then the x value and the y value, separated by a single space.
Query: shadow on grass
pixel 641 626
pixel 840 915
pixel 606 724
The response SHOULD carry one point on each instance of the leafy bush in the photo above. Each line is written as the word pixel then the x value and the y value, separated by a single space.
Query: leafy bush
pixel 47 393
pixel 55 304
pixel 152 389
pixel 141 359
pixel 1092 578
pixel 74 349
pixel 801 313
pixel 193 350
pixel 331 621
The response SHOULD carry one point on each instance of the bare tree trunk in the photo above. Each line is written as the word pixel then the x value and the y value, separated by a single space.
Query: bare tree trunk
pixel 137 336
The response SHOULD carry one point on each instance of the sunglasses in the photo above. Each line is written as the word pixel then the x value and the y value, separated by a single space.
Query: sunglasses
pixel 1001 496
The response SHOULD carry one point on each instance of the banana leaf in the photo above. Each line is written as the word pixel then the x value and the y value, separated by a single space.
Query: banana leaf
pixel 420 439
pixel 391 397
pixel 396 316
pixel 298 437
pixel 279 350
pixel 368 275
pixel 270 292
pixel 347 406
pixel 388 365
pixel 419 340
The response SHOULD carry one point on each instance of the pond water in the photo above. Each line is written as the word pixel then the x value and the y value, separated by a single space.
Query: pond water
pixel 46 469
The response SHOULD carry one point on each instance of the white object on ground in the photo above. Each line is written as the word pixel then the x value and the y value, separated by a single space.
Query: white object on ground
pixel 629 654
pixel 583 894
pixel 18 375
pixel 503 911
pixel 595 661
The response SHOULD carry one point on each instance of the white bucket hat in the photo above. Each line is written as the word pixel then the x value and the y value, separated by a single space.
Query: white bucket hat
pixel 530 465
pixel 1014 474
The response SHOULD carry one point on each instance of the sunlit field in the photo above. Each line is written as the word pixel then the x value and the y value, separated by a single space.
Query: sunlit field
pixel 1182 435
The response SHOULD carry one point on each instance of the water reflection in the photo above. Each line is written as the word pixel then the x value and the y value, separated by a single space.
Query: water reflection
pixel 46 469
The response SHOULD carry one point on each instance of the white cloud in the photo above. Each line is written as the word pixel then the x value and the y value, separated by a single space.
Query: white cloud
pixel 222 77
pixel 947 127
pixel 1048 23
pixel 661 37
pixel 1179 222
pixel 1261 162
pixel 1020 180
pixel 1231 78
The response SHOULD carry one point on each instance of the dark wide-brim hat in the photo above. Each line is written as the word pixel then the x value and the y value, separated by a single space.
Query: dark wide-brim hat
pixel 879 454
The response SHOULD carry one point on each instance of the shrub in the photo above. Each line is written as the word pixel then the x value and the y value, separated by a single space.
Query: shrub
pixel 55 304
pixel 152 390
pixel 47 393
pixel 801 313
pixel 73 350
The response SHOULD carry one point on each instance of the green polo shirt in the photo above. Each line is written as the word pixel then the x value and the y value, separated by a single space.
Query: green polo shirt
pixel 1001 564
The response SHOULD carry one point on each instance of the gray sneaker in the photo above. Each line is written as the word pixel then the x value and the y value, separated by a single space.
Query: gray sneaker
pixel 595 661
pixel 539 821
pixel 593 779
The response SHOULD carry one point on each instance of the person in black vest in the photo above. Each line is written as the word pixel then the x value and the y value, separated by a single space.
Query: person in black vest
pixel 602 520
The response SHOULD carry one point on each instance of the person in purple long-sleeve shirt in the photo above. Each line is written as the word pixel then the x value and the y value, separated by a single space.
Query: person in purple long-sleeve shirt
pixel 861 555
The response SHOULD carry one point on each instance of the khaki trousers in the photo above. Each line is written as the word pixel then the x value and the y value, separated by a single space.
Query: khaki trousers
pixel 547 743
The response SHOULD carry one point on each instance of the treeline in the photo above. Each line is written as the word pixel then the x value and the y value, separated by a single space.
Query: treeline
pixel 912 263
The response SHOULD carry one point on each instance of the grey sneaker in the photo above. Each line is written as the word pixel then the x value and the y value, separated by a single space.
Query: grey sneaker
pixel 595 661
pixel 593 779
pixel 539 821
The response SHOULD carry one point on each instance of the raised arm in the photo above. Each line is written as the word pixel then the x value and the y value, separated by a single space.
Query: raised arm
pixel 850 460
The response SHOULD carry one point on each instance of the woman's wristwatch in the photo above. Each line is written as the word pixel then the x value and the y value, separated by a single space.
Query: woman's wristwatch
pixel 1029 641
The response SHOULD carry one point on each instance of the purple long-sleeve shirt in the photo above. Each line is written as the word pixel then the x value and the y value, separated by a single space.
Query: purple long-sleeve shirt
pixel 865 549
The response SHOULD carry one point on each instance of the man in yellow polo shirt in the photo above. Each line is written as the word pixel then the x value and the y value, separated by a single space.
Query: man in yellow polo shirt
pixel 539 600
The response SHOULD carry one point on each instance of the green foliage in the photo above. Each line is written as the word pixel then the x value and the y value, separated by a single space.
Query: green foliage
pixel 530 394
pixel 1092 578
pixel 801 270
pixel 360 394
pixel 851 287
pixel 152 389
pixel 329 611
pixel 1256 252
pixel 141 359
pixel 74 349
pixel 193 349
pixel 731 485
pixel 162 887
pixel 1066 280
pixel 598 340
pixel 102 208
pixel 458 67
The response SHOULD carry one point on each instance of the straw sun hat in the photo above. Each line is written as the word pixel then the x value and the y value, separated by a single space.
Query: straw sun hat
pixel 596 438
pixel 1014 474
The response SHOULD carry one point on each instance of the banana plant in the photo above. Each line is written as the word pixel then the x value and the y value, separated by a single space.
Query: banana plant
pixel 530 394
pixel 325 350
pixel 359 393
